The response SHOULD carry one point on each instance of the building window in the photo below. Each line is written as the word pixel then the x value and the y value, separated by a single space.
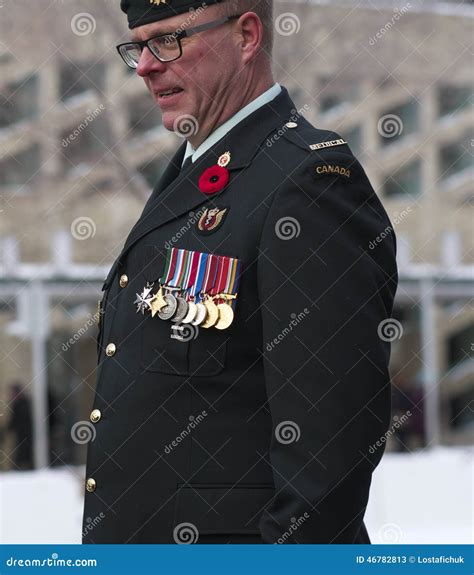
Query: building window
pixel 354 139
pixel 405 182
pixel 335 92
pixel 459 346
pixel 455 157
pixel 452 99
pixel 19 101
pixel 19 170
pixel 144 115
pixel 89 143
pixel 398 122
pixel 79 77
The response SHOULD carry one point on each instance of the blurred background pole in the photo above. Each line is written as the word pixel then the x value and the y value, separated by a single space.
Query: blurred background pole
pixel 430 369
pixel 39 321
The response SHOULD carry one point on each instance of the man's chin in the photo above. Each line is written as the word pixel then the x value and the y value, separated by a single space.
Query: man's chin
pixel 182 123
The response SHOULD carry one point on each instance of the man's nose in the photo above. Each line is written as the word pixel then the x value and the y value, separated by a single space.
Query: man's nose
pixel 148 63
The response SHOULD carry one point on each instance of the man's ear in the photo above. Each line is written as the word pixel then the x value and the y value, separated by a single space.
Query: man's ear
pixel 250 30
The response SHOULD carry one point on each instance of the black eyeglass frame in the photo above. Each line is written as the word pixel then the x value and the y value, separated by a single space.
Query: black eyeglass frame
pixel 178 36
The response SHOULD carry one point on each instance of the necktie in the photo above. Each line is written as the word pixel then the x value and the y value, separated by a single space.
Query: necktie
pixel 188 162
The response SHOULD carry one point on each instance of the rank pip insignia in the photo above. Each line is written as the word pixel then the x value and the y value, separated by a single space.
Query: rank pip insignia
pixel 158 2
pixel 211 219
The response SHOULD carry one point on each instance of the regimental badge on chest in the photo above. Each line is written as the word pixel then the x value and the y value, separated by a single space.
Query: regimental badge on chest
pixel 211 220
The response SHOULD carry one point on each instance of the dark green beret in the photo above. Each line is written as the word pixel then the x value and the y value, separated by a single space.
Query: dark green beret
pixel 140 12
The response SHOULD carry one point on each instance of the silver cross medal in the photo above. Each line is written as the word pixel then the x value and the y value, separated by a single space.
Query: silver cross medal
pixel 143 299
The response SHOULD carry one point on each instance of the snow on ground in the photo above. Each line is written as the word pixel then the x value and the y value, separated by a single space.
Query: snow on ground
pixel 426 497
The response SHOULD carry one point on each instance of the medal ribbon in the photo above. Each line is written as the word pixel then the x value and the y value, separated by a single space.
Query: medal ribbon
pixel 223 266
pixel 170 265
pixel 211 273
pixel 233 280
pixel 191 272
pixel 184 272
pixel 200 272
pixel 177 268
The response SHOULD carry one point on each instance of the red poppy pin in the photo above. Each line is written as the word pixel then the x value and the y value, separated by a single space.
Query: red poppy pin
pixel 214 179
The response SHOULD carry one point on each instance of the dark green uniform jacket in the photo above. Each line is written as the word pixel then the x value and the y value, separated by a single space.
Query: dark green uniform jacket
pixel 261 432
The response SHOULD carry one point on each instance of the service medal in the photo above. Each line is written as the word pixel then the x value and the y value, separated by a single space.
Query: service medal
pixel 192 311
pixel 226 316
pixel 143 299
pixel 170 308
pixel 158 302
pixel 200 314
pixel 181 310
pixel 212 314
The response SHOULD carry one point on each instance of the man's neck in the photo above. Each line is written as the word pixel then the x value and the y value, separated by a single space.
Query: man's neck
pixel 219 133
pixel 245 99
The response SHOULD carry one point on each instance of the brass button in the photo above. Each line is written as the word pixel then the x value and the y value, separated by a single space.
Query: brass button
pixel 123 280
pixel 95 415
pixel 111 349
pixel 91 484
pixel 291 125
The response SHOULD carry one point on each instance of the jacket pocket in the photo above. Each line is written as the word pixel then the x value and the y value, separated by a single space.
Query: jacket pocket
pixel 224 509
pixel 202 352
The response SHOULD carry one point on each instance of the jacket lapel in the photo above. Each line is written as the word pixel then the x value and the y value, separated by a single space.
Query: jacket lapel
pixel 178 192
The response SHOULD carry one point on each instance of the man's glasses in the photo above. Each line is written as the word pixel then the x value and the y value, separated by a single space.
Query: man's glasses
pixel 166 47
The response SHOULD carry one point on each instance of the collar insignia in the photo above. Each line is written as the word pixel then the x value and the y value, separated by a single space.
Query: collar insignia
pixel 224 160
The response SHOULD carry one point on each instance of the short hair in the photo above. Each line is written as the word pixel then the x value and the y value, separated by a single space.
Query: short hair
pixel 263 9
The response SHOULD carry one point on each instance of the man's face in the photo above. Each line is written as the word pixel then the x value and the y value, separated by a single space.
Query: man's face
pixel 201 79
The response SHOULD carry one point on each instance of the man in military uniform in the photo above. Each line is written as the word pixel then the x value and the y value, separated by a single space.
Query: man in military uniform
pixel 242 372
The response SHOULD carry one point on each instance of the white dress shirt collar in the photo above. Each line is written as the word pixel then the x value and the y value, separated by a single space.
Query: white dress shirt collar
pixel 221 131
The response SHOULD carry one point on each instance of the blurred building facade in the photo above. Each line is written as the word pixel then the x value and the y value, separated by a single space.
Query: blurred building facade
pixel 81 147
